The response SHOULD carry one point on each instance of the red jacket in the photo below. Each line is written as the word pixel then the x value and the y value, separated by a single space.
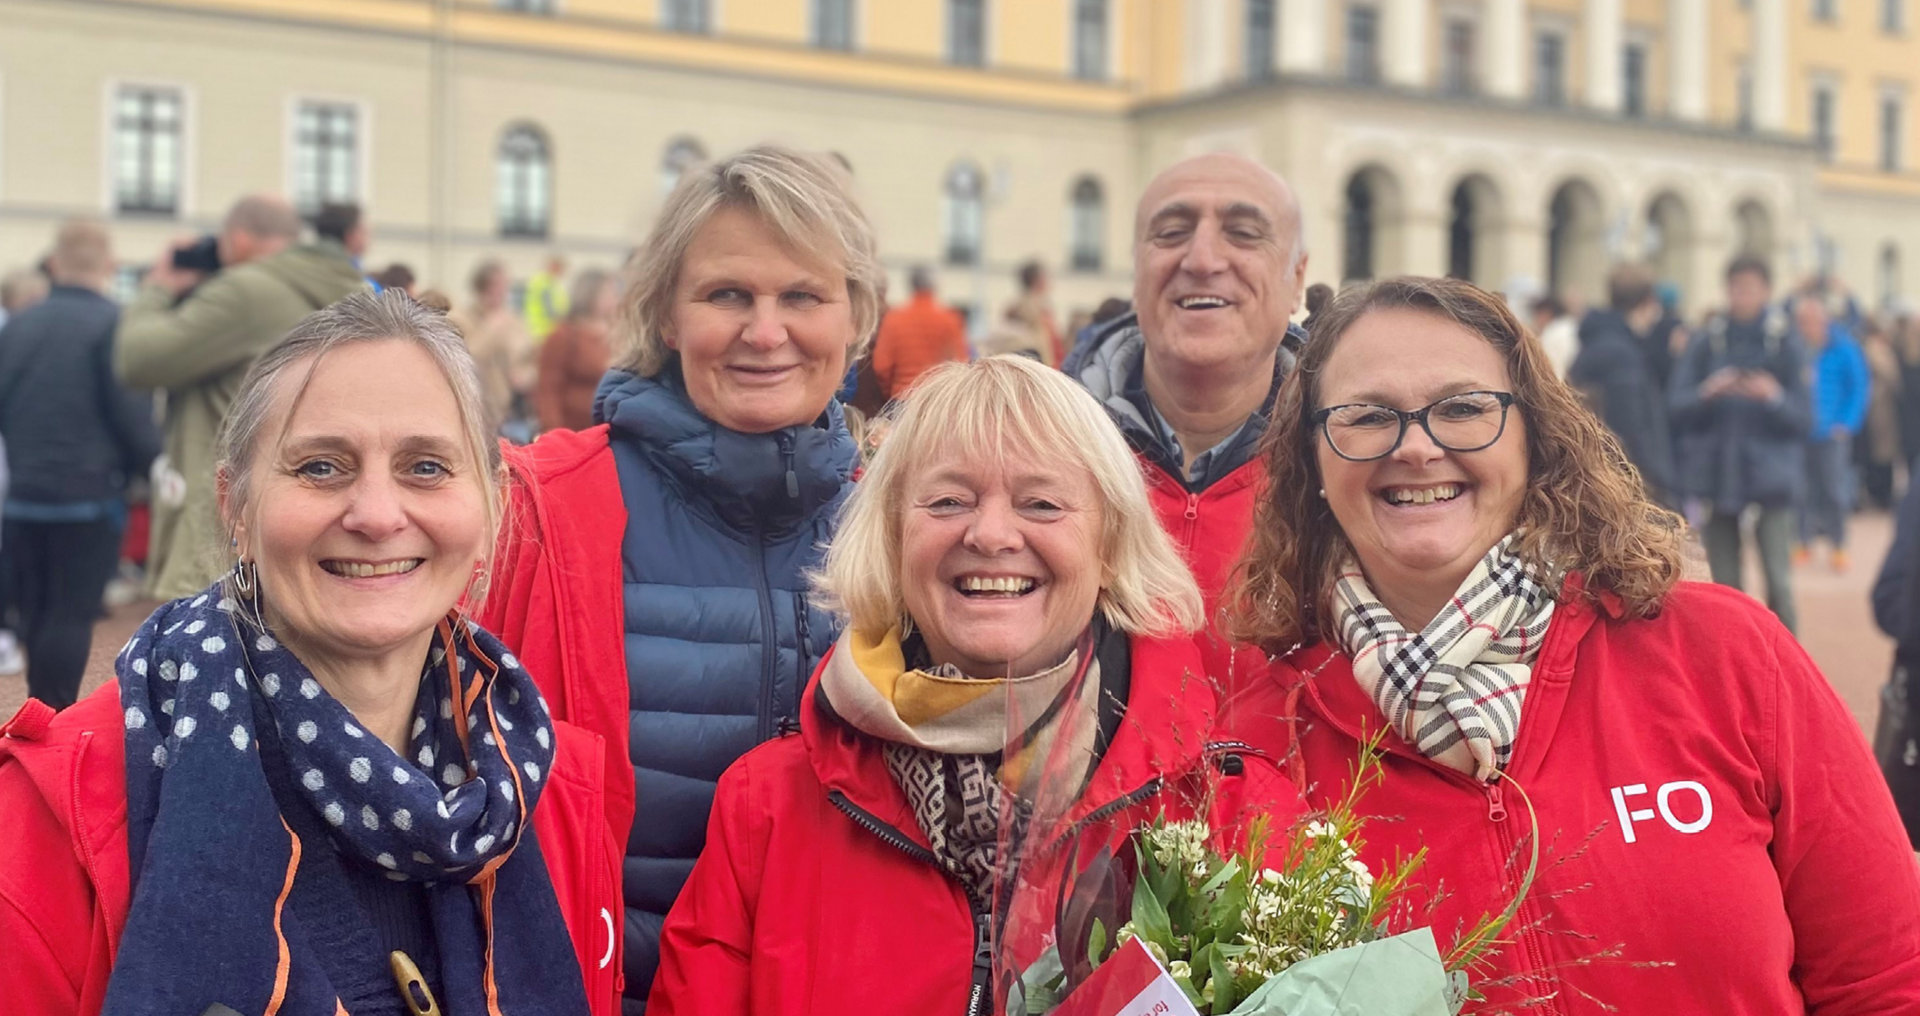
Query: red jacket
pixel 914 338
pixel 1706 805
pixel 65 888
pixel 800 904
pixel 558 606
pixel 1211 528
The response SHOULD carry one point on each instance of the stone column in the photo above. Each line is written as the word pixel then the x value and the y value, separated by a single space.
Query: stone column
pixel 1206 44
pixel 1601 25
pixel 1770 65
pixel 1687 55
pixel 1303 36
pixel 1406 43
pixel 1505 56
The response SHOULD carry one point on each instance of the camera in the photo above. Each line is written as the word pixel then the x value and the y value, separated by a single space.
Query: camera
pixel 203 255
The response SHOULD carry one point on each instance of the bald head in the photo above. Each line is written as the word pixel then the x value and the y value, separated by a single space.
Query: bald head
pixel 258 225
pixel 1219 261
pixel 82 254
pixel 1228 174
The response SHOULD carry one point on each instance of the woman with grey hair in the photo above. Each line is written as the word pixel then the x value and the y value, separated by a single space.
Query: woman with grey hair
pixel 655 579
pixel 317 787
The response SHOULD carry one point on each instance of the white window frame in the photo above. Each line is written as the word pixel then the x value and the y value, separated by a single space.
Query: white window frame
pixel 987 54
pixel 363 138
pixel 713 20
pixel 1449 16
pixel 1557 29
pixel 1899 21
pixel 1824 12
pixel 1099 234
pixel 546 141
pixel 1378 72
pixel 1902 161
pixel 1829 83
pixel 1646 39
pixel 1113 43
pixel 185 204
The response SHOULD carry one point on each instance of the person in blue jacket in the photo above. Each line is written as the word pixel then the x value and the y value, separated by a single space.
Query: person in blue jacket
pixel 1841 387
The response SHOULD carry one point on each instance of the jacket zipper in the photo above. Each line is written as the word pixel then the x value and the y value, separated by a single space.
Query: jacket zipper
pixel 786 457
pixel 1192 517
pixel 980 992
pixel 1529 940
pixel 803 662
pixel 770 640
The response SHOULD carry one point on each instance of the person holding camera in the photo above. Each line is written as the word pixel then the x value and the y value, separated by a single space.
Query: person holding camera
pixel 198 348
pixel 1741 412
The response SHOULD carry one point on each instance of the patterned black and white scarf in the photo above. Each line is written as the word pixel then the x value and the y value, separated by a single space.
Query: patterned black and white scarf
pixel 212 702
pixel 1453 689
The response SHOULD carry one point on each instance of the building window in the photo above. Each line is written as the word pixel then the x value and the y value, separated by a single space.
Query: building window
pixel 685 16
pixel 326 155
pixel 1090 40
pixel 526 6
pixel 1889 276
pixel 525 182
pixel 966 214
pixel 967 32
pixel 682 154
pixel 1892 112
pixel 1822 120
pixel 1633 80
pixel 1088 226
pixel 1550 69
pixel 1893 16
pixel 1261 36
pixel 1363 43
pixel 833 24
pixel 147 151
pixel 1457 58
pixel 1826 10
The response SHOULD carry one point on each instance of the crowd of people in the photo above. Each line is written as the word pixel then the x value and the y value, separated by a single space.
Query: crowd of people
pixel 771 676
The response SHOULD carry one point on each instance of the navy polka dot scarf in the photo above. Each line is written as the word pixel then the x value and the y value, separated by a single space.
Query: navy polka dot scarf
pixel 218 715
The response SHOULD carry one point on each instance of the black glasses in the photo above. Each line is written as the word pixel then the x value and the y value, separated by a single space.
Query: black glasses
pixel 1467 422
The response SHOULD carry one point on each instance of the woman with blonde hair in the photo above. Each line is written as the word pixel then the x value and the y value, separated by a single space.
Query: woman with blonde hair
pixel 1455 558
pixel 655 577
pixel 316 786
pixel 1017 649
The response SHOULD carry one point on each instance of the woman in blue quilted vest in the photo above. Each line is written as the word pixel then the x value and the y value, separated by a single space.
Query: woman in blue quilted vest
pixel 653 575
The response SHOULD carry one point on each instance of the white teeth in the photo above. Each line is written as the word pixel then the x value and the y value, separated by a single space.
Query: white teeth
pixel 1424 495
pixel 1195 302
pixel 361 570
pixel 981 584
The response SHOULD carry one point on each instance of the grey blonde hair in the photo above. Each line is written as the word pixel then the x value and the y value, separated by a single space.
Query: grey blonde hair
pixel 1005 409
pixel 278 380
pixel 807 201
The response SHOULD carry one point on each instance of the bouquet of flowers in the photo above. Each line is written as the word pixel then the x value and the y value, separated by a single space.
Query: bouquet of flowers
pixel 1292 923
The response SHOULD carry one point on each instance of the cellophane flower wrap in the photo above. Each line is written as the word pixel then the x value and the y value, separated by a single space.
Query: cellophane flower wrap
pixel 1205 852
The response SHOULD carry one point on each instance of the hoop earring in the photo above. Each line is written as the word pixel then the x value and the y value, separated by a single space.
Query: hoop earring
pixel 246 577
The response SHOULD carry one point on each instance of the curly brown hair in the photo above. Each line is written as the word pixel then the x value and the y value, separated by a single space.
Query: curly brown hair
pixel 1585 509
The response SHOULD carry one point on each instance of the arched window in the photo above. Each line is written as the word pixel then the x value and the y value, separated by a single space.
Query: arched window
pixel 1088 225
pixel 524 185
pixel 682 154
pixel 966 213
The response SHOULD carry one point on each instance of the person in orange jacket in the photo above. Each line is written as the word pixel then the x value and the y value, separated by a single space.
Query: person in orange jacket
pixel 915 337
pixel 316 787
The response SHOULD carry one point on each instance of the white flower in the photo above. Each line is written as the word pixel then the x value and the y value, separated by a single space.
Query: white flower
pixel 1180 968
pixel 1361 876
pixel 1271 877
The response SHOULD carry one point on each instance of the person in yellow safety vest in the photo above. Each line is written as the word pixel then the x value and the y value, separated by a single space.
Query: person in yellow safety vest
pixel 545 304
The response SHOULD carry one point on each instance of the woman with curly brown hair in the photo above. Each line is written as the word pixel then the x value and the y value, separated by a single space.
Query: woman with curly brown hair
pixel 1454 557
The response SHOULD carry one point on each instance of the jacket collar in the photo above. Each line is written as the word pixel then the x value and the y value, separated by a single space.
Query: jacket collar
pixel 1161 736
pixel 766 481
pixel 1114 372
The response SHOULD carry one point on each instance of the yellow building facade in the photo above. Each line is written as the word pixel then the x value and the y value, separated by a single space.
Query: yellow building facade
pixel 1526 144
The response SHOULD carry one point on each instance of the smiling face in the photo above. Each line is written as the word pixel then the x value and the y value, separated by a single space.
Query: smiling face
pixel 1216 275
pixel 1000 562
pixel 762 337
pixel 1420 518
pixel 369 511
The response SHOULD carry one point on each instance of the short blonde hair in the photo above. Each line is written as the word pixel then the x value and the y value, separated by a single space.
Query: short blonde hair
pixel 808 202
pixel 1006 408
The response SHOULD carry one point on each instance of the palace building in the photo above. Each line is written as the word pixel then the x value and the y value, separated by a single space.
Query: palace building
pixel 1521 143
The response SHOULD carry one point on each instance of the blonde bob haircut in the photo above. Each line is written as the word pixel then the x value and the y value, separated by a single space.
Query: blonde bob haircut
pixel 805 199
pixel 1007 409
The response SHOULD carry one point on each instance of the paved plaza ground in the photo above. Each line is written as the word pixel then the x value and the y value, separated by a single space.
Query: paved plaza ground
pixel 1835 624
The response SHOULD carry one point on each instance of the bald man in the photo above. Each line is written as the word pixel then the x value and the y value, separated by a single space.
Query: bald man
pixel 1219 264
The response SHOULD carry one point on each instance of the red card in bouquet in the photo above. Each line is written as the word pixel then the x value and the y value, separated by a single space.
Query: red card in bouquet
pixel 1130 983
